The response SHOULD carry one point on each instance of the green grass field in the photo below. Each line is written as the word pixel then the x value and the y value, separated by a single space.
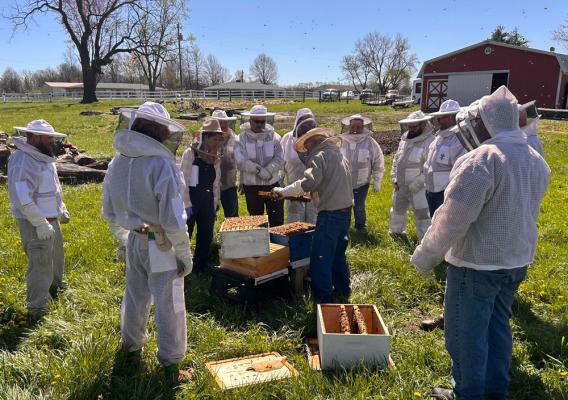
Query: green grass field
pixel 75 353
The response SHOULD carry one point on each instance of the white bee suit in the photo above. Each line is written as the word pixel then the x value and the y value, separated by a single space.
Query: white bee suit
pixel 407 175
pixel 365 158
pixel 294 168
pixel 35 196
pixel 143 185
pixel 442 155
pixel 531 133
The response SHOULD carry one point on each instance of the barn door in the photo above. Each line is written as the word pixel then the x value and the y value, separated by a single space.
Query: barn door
pixel 437 93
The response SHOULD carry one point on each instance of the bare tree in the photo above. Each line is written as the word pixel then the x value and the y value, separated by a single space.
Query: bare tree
pixel 388 59
pixel 264 69
pixel 99 29
pixel 194 65
pixel 10 81
pixel 561 34
pixel 157 36
pixel 239 76
pixel 214 72
pixel 357 71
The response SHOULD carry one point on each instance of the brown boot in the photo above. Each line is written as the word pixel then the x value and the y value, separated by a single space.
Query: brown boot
pixel 176 377
pixel 431 324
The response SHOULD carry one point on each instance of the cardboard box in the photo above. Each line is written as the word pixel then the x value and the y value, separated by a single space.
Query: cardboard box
pixel 348 350
pixel 244 242
pixel 259 266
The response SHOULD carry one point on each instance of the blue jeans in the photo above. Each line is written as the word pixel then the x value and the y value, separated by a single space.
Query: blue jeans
pixel 476 324
pixel 230 202
pixel 359 197
pixel 435 200
pixel 328 263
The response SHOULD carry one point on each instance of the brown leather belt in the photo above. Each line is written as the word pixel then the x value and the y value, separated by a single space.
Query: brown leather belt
pixel 346 209
pixel 52 219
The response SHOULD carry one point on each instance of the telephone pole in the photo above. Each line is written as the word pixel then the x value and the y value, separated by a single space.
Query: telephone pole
pixel 180 38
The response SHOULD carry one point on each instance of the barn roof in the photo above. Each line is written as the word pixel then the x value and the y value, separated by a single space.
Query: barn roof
pixel 562 58
pixel 243 86
pixel 101 86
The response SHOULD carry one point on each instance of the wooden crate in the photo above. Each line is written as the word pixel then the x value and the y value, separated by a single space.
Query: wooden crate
pixel 244 242
pixel 235 372
pixel 258 266
pixel 341 350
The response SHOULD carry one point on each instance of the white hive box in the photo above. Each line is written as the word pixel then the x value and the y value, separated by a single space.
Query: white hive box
pixel 337 349
pixel 243 237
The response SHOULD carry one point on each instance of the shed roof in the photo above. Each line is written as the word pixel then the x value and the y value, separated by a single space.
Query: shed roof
pixel 101 86
pixel 243 86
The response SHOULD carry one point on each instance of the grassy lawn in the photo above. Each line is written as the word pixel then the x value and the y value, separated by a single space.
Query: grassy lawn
pixel 75 354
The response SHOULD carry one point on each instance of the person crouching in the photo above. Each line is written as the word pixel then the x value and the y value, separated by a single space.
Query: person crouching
pixel 328 178
pixel 201 167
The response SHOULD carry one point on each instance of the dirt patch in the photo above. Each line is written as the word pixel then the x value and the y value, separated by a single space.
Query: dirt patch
pixel 388 141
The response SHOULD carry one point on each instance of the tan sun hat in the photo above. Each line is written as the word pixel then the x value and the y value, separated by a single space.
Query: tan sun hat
pixel 347 120
pixel 211 125
pixel 301 142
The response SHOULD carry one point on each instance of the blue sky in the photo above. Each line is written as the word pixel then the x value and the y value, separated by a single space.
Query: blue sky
pixel 308 38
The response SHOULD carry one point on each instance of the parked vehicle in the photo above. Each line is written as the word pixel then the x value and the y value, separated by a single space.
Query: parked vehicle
pixel 347 95
pixel 366 94
pixel 416 90
pixel 330 95
pixel 392 94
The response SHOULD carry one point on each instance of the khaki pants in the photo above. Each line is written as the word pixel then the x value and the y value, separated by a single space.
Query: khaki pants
pixel 45 265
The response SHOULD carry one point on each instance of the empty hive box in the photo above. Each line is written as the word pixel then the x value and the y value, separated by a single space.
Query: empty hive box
pixel 243 237
pixel 341 337
pixel 259 266
pixel 298 237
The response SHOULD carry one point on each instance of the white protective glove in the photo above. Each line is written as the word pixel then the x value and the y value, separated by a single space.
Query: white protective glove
pixel 377 179
pixel 251 167
pixel 264 174
pixel 64 217
pixel 292 190
pixel 44 229
pixel 417 184
pixel 423 262
pixel 119 233
pixel 180 243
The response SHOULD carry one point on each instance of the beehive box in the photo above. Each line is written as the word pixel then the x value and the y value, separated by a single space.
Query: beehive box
pixel 259 266
pixel 337 349
pixel 243 237
pixel 298 240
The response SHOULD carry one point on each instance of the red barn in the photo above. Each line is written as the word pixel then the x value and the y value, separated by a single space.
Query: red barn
pixel 467 74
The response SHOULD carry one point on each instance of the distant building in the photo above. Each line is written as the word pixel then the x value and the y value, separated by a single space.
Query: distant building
pixel 474 71
pixel 62 89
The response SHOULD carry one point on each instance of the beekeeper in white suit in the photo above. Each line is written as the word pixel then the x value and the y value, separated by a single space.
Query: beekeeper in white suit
pixel 294 166
pixel 36 201
pixel 366 162
pixel 442 153
pixel 407 175
pixel 486 229
pixel 528 121
pixel 142 202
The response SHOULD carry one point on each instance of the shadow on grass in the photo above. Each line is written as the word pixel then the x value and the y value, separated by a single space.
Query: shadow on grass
pixel 526 386
pixel 544 337
pixel 294 312
pixel 132 379
pixel 365 238
pixel 13 328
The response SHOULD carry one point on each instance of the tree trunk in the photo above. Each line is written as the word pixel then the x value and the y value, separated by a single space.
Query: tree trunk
pixel 89 85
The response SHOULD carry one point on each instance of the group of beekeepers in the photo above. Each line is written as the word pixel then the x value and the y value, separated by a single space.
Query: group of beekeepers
pixel 469 169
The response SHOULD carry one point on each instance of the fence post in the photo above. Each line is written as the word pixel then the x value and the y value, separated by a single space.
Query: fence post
pixel 230 95
pixel 4 97
pixel 218 98
pixel 304 96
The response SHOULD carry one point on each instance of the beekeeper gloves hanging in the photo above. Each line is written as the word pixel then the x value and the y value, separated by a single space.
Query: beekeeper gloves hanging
pixel 36 202
pixel 366 162
pixel 407 175
pixel 142 195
